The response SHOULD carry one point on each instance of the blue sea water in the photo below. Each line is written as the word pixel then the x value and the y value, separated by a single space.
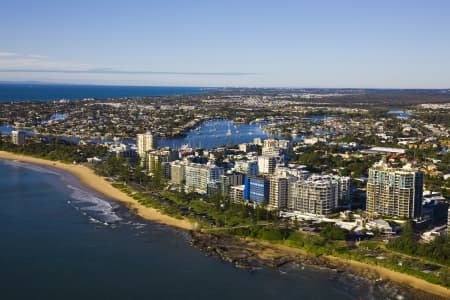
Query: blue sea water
pixel 400 113
pixel 212 134
pixel 55 244
pixel 49 92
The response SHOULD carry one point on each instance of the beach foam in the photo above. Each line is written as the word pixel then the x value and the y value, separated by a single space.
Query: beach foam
pixel 95 207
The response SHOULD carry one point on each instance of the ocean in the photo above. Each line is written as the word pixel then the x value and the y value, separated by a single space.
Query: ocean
pixel 60 240
pixel 49 92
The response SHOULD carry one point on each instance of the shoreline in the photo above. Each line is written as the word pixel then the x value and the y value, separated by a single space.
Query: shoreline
pixel 88 178
pixel 383 273
pixel 249 254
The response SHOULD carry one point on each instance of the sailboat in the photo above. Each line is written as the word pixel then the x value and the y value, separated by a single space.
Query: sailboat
pixel 229 130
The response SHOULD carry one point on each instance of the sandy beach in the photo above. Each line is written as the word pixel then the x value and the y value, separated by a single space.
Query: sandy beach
pixel 386 274
pixel 91 180
pixel 360 268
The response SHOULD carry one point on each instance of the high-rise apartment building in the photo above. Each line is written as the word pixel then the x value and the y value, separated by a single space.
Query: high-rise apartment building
pixel 266 164
pixel 247 167
pixel 145 142
pixel 272 151
pixel 395 192
pixel 256 189
pixel 237 193
pixel 199 177
pixel 345 186
pixel 154 158
pixel 230 179
pixel 276 143
pixel 278 192
pixel 177 172
pixel 318 195
pixel 18 137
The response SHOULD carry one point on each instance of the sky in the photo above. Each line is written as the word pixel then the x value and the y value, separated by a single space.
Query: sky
pixel 335 44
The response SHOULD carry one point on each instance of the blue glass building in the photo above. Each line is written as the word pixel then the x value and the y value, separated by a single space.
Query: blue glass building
pixel 256 189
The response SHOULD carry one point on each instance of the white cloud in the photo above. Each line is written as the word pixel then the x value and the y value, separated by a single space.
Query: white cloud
pixel 8 54
pixel 37 56
pixel 14 66
pixel 16 61
pixel 34 63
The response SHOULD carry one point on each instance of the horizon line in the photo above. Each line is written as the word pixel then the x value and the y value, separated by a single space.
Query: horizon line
pixel 215 86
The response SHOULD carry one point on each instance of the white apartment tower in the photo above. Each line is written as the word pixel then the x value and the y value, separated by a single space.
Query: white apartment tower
pixel 199 177
pixel 18 137
pixel 266 164
pixel 317 195
pixel 237 193
pixel 395 192
pixel 145 142
pixel 278 191
pixel 177 172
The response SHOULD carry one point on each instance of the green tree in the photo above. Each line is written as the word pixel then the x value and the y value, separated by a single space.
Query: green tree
pixel 157 180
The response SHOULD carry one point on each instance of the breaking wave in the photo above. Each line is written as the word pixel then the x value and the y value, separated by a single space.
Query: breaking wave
pixel 99 210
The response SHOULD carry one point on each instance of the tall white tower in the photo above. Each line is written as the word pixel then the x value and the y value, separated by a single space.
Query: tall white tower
pixel 145 142
pixel 395 192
